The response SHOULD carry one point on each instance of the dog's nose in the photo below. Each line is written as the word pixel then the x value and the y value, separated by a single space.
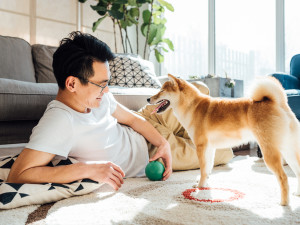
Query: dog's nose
pixel 148 100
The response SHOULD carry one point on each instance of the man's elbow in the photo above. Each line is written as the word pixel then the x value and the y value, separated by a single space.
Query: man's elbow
pixel 14 177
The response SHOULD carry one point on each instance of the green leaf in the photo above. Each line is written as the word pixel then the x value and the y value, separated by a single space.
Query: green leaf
pixel 116 14
pixel 101 13
pixel 101 8
pixel 169 43
pixel 134 12
pixel 167 5
pixel 96 24
pixel 166 50
pixel 116 7
pixel 132 2
pixel 159 57
pixel 124 24
pixel 146 16
pixel 132 20
pixel 144 29
pixel 98 7
pixel 156 14
pixel 141 1
pixel 163 21
pixel 120 2
pixel 160 33
pixel 158 20
pixel 152 33
pixel 156 7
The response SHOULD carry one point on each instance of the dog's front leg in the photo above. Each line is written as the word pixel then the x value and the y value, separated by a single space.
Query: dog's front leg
pixel 204 163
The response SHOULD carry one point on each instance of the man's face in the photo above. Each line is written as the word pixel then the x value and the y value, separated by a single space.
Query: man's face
pixel 90 95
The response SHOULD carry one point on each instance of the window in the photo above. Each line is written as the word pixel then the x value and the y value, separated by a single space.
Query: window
pixel 187 27
pixel 292 31
pixel 245 38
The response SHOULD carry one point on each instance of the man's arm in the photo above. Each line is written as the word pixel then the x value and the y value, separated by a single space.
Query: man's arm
pixel 30 167
pixel 142 126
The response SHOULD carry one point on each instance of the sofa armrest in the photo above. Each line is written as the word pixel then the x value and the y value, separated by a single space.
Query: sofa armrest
pixel 287 81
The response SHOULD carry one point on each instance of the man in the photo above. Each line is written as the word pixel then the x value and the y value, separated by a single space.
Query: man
pixel 84 122
pixel 87 123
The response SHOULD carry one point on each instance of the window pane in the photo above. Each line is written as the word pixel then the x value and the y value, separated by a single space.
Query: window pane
pixel 245 38
pixel 187 28
pixel 292 31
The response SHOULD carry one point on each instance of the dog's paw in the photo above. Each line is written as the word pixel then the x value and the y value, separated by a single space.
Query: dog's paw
pixel 284 202
pixel 197 185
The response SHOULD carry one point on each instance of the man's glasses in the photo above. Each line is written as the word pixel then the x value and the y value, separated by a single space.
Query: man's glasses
pixel 102 85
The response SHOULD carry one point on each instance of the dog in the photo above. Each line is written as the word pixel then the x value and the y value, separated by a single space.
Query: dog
pixel 218 123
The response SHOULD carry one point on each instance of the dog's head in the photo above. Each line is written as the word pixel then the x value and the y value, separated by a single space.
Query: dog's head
pixel 168 94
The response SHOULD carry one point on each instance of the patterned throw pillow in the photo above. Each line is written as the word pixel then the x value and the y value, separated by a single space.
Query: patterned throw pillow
pixel 132 71
pixel 14 195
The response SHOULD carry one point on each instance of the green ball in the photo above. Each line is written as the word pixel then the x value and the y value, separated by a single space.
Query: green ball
pixel 154 170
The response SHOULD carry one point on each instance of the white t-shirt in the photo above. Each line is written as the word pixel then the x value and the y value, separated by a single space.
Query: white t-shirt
pixel 93 136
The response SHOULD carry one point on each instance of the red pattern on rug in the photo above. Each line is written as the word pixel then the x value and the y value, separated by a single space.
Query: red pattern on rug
pixel 237 195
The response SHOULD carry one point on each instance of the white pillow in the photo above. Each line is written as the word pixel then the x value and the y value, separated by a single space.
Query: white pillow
pixel 128 70
pixel 14 195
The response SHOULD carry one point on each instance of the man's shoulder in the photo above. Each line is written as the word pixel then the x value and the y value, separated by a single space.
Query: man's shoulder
pixel 57 111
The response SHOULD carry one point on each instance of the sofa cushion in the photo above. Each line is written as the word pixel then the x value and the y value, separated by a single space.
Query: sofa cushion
pixel 15 59
pixel 42 57
pixel 17 131
pixel 128 70
pixel 20 100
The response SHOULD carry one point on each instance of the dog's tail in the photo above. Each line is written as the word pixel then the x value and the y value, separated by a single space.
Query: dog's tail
pixel 268 88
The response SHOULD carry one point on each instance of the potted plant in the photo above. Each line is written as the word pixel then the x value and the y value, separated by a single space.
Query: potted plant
pixel 125 14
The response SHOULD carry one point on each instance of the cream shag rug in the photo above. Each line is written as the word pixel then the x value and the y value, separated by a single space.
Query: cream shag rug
pixel 242 192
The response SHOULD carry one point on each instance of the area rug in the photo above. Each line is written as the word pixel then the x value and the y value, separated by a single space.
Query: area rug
pixel 241 192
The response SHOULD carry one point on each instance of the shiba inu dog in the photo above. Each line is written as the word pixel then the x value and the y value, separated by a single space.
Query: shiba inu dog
pixel 218 123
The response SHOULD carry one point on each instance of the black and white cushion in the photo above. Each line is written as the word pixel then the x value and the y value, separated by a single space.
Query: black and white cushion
pixel 14 195
pixel 128 70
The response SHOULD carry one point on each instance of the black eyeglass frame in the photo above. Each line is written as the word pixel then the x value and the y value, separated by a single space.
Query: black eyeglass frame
pixel 98 85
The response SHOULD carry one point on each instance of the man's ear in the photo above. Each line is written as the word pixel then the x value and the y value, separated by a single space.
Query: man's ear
pixel 71 83
pixel 172 78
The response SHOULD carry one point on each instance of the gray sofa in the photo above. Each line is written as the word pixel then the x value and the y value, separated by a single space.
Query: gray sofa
pixel 27 85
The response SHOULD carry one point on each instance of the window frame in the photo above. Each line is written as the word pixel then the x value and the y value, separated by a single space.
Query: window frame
pixel 279 39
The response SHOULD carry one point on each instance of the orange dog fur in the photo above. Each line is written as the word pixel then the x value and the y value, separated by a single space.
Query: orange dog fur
pixel 218 123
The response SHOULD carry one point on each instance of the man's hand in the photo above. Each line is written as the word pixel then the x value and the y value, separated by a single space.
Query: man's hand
pixel 164 152
pixel 107 172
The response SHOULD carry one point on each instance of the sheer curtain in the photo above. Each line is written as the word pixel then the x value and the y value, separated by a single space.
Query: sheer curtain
pixel 245 38
pixel 187 27
pixel 292 31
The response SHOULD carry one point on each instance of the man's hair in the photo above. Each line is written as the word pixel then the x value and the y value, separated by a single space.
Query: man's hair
pixel 75 56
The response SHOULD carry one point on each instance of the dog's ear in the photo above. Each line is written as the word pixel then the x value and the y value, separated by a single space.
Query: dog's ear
pixel 172 78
